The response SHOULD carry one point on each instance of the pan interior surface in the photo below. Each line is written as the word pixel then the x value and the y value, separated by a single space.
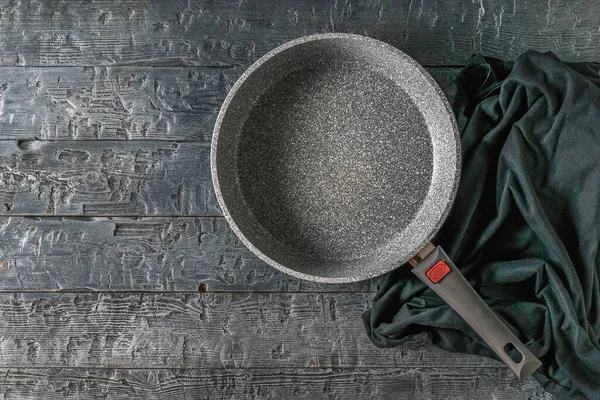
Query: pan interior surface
pixel 329 160
pixel 333 161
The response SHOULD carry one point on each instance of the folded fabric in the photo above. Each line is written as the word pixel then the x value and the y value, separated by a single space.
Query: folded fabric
pixel 525 226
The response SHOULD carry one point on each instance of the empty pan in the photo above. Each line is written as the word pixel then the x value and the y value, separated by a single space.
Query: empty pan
pixel 336 158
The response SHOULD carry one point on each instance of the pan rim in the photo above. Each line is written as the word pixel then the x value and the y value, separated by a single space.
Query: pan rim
pixel 367 274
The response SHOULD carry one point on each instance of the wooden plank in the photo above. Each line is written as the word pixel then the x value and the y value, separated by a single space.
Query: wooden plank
pixel 122 103
pixel 105 178
pixel 116 103
pixel 217 330
pixel 456 384
pixel 303 383
pixel 101 254
pixel 236 32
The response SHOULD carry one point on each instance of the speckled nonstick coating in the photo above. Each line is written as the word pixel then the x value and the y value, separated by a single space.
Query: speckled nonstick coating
pixel 335 158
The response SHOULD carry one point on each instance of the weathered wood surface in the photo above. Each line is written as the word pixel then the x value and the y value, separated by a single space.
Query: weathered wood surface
pixel 105 178
pixel 122 103
pixel 116 103
pixel 236 32
pixel 213 330
pixel 301 383
pixel 131 254
pixel 106 110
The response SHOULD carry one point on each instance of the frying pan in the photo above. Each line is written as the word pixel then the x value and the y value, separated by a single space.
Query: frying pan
pixel 336 158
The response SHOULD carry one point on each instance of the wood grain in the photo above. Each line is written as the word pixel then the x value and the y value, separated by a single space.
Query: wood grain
pixel 301 383
pixel 216 330
pixel 123 103
pixel 106 111
pixel 116 103
pixel 236 32
pixel 149 254
pixel 105 178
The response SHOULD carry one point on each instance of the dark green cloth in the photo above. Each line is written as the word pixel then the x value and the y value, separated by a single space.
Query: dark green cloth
pixel 525 227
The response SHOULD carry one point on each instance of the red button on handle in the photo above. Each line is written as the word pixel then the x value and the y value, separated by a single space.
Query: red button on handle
pixel 438 271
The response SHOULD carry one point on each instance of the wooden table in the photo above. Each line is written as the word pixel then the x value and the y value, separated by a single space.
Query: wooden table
pixel 118 276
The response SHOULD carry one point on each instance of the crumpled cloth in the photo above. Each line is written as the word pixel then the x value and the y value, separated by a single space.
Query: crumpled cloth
pixel 525 226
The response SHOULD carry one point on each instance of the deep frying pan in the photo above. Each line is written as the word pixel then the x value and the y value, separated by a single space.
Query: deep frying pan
pixel 336 158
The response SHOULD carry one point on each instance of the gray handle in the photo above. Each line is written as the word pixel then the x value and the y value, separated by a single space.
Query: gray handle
pixel 460 295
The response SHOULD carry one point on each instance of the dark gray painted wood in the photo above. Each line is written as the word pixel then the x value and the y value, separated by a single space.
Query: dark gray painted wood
pixel 117 103
pixel 216 330
pixel 124 86
pixel 136 254
pixel 236 32
pixel 122 103
pixel 105 178
pixel 300 383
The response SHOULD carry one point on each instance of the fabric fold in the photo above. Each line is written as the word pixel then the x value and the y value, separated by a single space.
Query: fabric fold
pixel 525 226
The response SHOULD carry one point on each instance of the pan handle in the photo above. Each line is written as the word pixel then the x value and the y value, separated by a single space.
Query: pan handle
pixel 441 275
